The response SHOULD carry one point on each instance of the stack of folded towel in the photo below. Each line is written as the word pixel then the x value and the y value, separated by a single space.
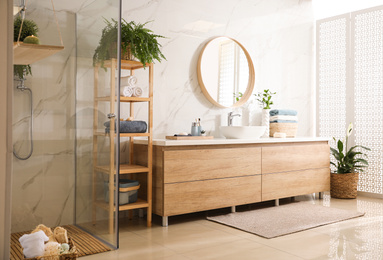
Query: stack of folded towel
pixel 283 121
pixel 131 90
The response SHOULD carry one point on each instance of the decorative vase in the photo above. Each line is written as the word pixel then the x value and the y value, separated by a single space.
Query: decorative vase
pixel 266 121
pixel 344 186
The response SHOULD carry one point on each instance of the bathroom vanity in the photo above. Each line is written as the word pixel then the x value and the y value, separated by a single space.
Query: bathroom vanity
pixel 198 175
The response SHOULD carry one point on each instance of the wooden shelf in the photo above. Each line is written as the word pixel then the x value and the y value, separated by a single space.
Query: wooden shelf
pixel 139 204
pixel 125 99
pixel 126 64
pixel 24 53
pixel 124 168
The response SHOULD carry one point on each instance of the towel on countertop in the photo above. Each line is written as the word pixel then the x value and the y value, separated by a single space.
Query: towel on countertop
pixel 129 126
pixel 282 117
pixel 33 244
pixel 287 112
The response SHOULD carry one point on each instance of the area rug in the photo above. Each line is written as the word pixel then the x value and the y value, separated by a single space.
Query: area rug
pixel 85 243
pixel 286 219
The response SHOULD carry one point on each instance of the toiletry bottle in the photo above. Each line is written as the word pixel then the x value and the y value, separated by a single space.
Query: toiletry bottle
pixel 194 129
pixel 199 126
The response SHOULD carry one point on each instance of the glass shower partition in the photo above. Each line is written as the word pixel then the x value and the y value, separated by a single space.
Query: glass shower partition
pixel 97 111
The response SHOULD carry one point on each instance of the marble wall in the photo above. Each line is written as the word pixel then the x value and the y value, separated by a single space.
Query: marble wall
pixel 43 185
pixel 278 34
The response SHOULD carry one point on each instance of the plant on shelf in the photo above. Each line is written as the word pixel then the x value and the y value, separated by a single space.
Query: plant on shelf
pixel 136 40
pixel 265 98
pixel 349 163
pixel 29 28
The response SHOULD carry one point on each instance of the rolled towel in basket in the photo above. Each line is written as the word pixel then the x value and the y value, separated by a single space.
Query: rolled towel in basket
pixel 132 80
pixel 129 126
pixel 287 112
pixel 33 244
pixel 137 92
pixel 127 91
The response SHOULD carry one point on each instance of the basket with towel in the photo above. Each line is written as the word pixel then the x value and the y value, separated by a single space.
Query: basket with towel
pixel 129 126
pixel 283 121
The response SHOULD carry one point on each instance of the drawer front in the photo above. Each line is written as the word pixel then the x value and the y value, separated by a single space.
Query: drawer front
pixel 295 157
pixel 287 184
pixel 205 164
pixel 181 198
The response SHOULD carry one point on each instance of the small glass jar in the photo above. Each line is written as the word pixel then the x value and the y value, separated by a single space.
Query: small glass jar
pixel 194 129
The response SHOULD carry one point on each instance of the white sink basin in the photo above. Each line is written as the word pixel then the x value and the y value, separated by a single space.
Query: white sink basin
pixel 243 132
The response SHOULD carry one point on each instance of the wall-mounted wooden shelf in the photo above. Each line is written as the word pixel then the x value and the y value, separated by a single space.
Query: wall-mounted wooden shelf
pixel 24 53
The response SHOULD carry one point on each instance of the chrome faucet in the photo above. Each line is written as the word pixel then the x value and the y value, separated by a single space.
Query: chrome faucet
pixel 230 118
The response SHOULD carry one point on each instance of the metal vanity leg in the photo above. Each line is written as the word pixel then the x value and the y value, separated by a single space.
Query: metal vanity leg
pixel 277 202
pixel 232 209
pixel 165 221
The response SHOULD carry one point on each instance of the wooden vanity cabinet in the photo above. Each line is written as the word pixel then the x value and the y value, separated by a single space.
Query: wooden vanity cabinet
pixel 195 178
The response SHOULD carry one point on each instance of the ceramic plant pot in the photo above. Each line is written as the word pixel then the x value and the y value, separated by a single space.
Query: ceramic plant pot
pixel 344 186
pixel 266 121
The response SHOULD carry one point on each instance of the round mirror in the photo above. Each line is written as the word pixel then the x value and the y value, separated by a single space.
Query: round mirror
pixel 225 72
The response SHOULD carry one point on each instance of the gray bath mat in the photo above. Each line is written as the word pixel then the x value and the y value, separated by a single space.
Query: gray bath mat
pixel 286 219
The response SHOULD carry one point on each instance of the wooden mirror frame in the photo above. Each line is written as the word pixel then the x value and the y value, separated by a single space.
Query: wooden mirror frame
pixel 251 81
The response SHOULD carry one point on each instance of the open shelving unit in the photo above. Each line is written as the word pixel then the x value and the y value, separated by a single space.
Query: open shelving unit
pixel 132 168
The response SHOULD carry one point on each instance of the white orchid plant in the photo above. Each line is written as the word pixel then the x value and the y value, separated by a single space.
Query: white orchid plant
pixel 348 160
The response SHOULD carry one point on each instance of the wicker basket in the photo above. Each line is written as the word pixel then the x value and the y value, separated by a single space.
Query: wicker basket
pixel 69 256
pixel 290 129
pixel 344 186
pixel 126 54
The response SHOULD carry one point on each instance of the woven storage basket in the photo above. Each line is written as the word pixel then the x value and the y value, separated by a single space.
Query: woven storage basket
pixel 344 186
pixel 126 54
pixel 290 129
pixel 69 256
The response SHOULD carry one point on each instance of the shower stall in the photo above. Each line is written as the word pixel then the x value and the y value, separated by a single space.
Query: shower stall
pixel 53 182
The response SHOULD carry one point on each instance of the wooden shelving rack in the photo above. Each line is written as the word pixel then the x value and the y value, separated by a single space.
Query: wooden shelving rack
pixel 125 169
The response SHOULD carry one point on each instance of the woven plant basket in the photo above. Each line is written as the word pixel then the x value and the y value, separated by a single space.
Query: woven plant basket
pixel 344 186
pixel 290 129
pixel 69 256
pixel 126 54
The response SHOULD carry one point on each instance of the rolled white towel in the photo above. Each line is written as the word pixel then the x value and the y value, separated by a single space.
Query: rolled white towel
pixel 33 244
pixel 132 81
pixel 127 91
pixel 137 92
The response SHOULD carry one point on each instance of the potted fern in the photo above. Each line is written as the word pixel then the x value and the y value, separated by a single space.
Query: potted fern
pixel 137 42
pixel 349 163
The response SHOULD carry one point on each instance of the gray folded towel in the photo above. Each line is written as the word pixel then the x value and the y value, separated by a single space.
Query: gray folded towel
pixel 129 126
pixel 287 112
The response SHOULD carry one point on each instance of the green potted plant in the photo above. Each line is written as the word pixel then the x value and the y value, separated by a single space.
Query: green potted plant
pixel 29 28
pixel 136 40
pixel 264 98
pixel 349 163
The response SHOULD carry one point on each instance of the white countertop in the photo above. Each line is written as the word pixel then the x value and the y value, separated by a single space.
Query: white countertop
pixel 217 141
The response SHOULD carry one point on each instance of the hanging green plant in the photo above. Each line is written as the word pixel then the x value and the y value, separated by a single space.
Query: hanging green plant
pixel 136 40
pixel 29 28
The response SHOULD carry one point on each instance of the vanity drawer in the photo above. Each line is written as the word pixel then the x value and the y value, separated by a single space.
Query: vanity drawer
pixel 295 157
pixel 206 164
pixel 181 198
pixel 288 184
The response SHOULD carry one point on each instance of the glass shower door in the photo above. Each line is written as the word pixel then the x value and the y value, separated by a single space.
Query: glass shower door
pixel 97 111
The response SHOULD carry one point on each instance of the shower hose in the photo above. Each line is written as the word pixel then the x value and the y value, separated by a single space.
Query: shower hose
pixel 22 88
